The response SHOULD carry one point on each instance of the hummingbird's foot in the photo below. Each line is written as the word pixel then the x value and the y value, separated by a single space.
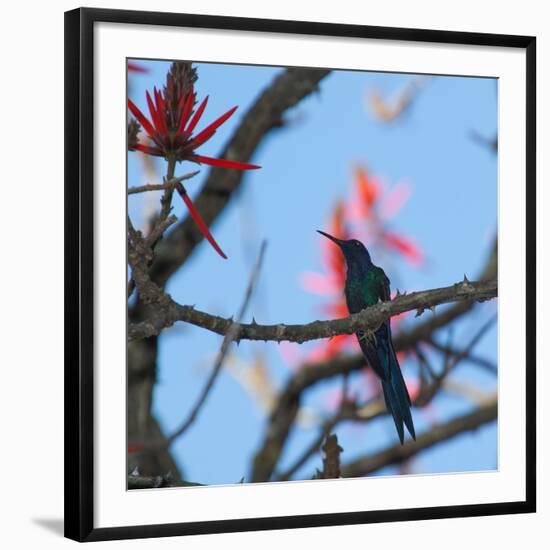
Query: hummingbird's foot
pixel 367 337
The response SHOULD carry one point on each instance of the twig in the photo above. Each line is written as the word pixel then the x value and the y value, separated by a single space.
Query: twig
pixel 159 229
pixel 482 362
pixel 427 393
pixel 490 143
pixel 170 184
pixel 166 199
pixel 230 336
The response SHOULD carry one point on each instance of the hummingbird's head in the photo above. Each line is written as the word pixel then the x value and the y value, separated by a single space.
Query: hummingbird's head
pixel 355 252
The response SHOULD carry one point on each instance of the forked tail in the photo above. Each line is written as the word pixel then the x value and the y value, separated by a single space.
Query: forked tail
pixel 397 399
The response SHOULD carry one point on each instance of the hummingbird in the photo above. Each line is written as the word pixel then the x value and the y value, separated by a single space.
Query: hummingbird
pixel 366 285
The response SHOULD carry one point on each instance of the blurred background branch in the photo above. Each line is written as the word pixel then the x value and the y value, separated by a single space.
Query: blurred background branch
pixel 438 433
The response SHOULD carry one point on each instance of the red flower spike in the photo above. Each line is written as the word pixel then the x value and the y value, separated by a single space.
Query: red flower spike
pixel 197 116
pixel 224 163
pixel 171 109
pixel 404 246
pixel 198 220
pixel 367 190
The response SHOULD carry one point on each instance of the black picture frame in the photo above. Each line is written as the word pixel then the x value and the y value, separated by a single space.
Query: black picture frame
pixel 79 272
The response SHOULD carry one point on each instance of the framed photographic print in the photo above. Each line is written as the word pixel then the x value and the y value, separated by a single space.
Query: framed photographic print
pixel 300 274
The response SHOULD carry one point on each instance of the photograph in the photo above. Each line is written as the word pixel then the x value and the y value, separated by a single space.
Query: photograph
pixel 311 274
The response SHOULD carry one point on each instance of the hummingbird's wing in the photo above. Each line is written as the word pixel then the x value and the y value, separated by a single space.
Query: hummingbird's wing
pixel 374 354
pixel 379 349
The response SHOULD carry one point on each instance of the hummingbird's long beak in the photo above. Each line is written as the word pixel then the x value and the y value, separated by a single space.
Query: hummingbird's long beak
pixel 339 242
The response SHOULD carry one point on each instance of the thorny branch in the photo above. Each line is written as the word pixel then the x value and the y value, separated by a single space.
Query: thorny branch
pixel 368 319
pixel 164 221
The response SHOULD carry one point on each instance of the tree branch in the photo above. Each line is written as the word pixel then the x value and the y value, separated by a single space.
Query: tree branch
pixel 436 434
pixel 482 362
pixel 170 184
pixel 368 319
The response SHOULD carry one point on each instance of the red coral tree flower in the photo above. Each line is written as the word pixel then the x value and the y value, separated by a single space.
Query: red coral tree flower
pixel 171 127
pixel 172 124
pixel 376 205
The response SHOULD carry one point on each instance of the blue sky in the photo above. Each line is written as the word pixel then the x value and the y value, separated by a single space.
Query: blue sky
pixel 306 167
